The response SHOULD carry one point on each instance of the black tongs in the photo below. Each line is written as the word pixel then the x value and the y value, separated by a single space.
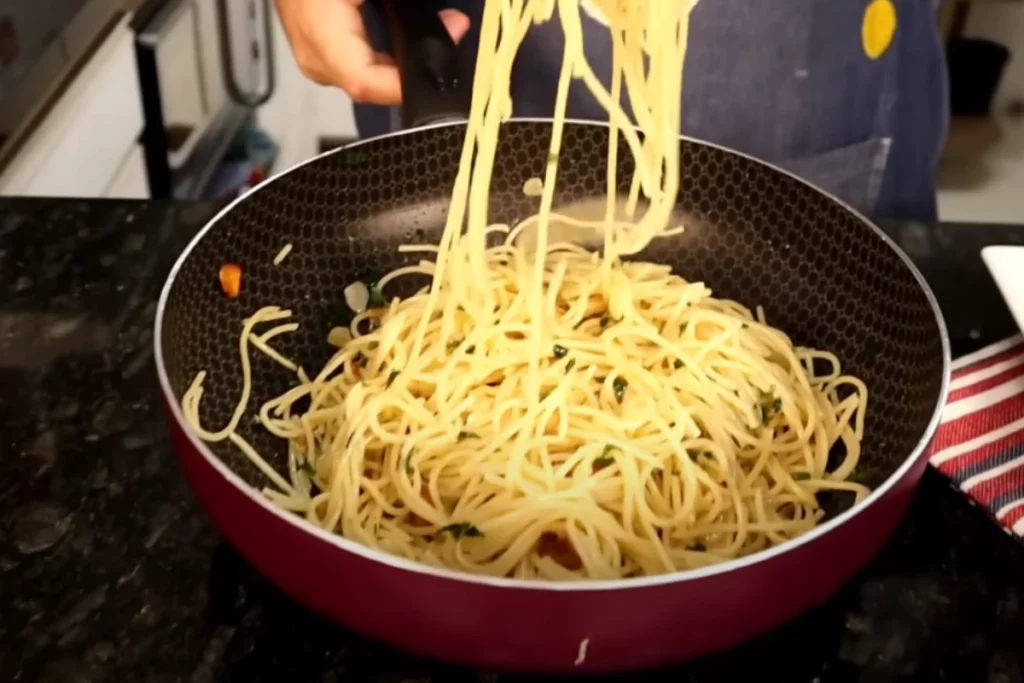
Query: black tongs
pixel 436 81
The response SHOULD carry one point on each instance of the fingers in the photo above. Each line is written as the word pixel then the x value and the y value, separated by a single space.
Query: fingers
pixel 456 23
pixel 331 47
pixel 375 79
pixel 375 83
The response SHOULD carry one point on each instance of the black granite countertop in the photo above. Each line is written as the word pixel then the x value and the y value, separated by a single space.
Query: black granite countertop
pixel 109 570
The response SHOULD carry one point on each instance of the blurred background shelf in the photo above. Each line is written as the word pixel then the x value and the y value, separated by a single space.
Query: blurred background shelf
pixel 981 178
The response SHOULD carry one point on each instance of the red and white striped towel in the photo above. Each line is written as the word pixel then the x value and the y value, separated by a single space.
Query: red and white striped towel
pixel 980 442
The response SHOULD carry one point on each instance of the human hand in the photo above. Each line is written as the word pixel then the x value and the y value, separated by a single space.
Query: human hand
pixel 331 47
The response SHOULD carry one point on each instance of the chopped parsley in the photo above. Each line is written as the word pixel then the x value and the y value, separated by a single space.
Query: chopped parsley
pixel 570 365
pixel 677 363
pixel 466 435
pixel 768 407
pixel 471 349
pixel 391 378
pixel 306 467
pixel 682 328
pixel 353 157
pixel 860 473
pixel 463 530
pixel 377 299
pixel 606 458
pixel 408 463
pixel 560 351
pixel 619 385
pixel 801 476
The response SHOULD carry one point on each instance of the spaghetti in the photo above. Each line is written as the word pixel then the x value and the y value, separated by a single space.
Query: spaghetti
pixel 550 412
pixel 283 254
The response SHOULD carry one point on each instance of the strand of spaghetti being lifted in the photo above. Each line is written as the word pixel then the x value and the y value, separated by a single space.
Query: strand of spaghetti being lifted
pixel 549 412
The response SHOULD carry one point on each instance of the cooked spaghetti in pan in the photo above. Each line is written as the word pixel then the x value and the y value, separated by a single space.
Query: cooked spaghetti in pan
pixel 543 410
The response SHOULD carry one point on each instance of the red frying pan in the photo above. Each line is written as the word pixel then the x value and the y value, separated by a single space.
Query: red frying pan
pixel 757 234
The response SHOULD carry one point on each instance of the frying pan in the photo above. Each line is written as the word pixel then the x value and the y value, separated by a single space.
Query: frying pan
pixel 755 233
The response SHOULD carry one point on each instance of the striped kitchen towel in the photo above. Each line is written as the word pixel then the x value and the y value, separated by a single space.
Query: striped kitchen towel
pixel 980 442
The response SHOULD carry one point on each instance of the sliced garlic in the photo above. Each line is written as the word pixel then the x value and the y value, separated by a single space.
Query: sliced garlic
pixel 534 187
pixel 339 337
pixel 357 296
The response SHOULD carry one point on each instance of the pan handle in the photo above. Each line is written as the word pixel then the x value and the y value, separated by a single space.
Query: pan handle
pixel 435 87
pixel 227 67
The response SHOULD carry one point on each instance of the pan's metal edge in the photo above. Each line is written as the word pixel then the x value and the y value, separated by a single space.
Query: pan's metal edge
pixel 500 582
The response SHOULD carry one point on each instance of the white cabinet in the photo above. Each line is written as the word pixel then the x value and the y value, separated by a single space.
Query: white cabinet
pixel 130 181
pixel 84 144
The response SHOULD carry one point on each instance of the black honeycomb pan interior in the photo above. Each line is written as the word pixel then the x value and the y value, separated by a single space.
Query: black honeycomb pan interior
pixel 754 234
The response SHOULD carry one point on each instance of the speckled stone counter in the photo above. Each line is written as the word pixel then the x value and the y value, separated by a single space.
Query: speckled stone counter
pixel 109 570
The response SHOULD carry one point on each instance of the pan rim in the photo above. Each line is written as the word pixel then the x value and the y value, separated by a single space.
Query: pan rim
pixel 339 542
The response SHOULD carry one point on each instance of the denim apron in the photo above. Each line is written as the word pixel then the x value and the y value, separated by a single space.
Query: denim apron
pixel 848 94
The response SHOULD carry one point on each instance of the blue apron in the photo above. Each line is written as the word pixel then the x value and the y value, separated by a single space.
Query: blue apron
pixel 787 81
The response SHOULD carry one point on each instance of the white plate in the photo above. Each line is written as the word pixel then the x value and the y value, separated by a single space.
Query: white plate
pixel 1007 267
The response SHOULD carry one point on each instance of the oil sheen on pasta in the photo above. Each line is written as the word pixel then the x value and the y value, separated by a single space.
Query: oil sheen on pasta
pixel 542 411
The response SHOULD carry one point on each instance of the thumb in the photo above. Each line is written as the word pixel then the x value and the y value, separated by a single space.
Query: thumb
pixel 455 22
